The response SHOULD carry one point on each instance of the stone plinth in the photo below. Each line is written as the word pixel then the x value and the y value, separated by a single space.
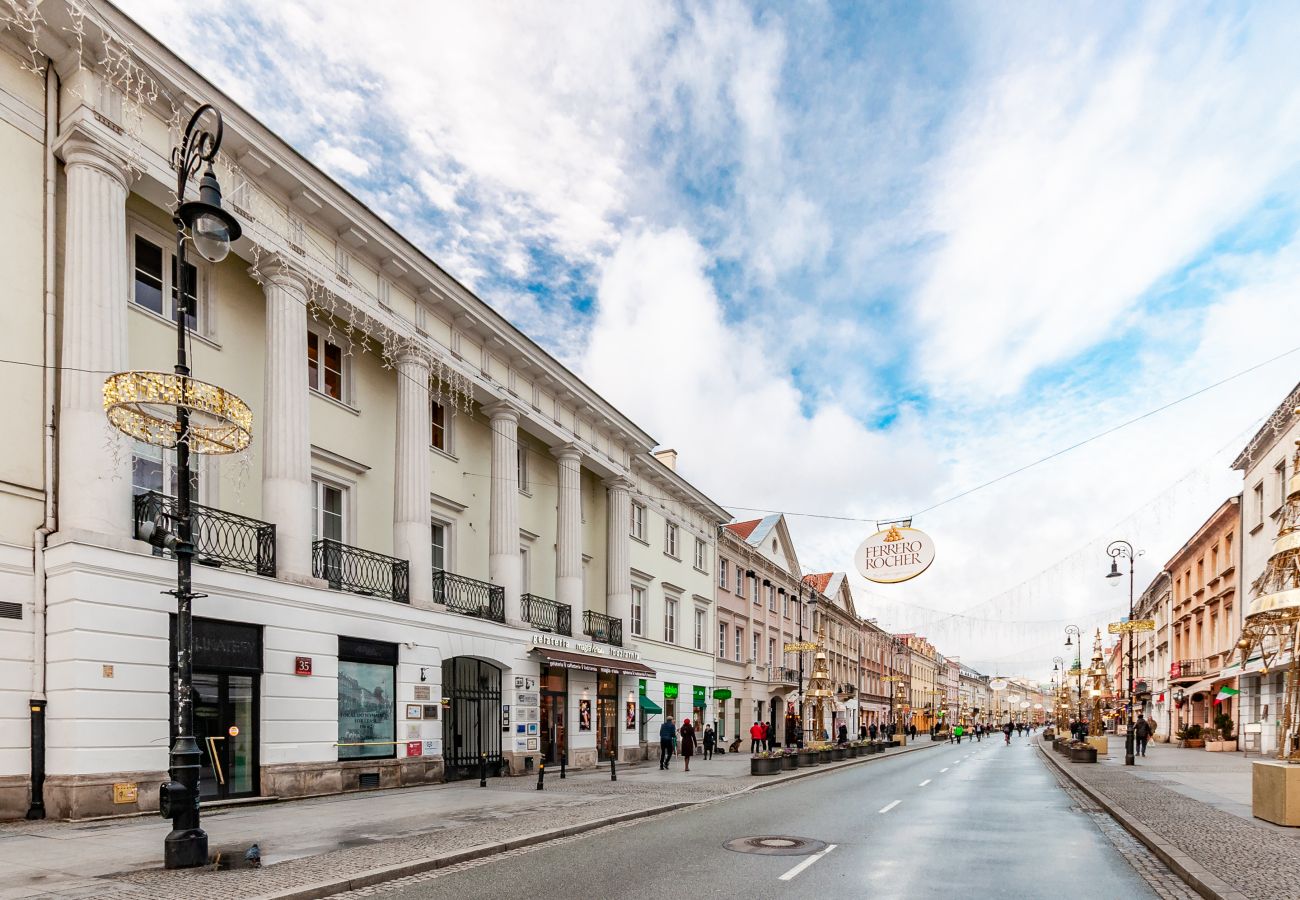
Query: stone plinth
pixel 1100 743
pixel 1275 792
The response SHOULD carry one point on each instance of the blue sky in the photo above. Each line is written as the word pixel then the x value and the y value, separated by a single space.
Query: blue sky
pixel 897 249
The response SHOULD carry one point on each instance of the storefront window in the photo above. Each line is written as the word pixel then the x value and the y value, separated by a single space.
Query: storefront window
pixel 367 699
pixel 607 710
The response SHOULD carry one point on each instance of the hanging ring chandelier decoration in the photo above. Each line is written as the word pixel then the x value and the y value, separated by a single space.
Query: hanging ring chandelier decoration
pixel 145 406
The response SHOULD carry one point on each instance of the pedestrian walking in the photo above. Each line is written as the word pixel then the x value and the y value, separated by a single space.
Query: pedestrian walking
pixel 862 732
pixel 979 732
pixel 1142 734
pixel 872 731
pixel 843 737
pixel 1006 732
pixel 688 742
pixel 710 741
pixel 667 734
pixel 770 732
pixel 755 738
pixel 911 731
pixel 959 731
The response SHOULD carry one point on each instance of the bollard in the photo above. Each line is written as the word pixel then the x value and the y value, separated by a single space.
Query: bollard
pixel 564 761
pixel 541 774
pixel 613 772
pixel 482 770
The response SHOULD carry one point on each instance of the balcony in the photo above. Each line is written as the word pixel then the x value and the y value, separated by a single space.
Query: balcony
pixel 547 615
pixel 468 596
pixel 220 538
pixel 603 628
pixel 1188 670
pixel 782 674
pixel 360 571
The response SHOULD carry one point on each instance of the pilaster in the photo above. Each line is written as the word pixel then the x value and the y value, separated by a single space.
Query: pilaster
pixel 94 458
pixel 411 479
pixel 568 531
pixel 503 525
pixel 618 577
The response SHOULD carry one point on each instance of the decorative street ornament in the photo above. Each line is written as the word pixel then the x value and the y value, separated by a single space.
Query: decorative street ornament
pixel 895 554
pixel 998 684
pixel 144 406
pixel 1135 625
pixel 800 647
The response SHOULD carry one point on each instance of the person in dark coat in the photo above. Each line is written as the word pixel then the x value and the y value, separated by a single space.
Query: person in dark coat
pixel 667 734
pixel 688 742
pixel 710 741
pixel 1141 734
pixel 843 737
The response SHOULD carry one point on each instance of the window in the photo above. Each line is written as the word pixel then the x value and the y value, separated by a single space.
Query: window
pixel 670 621
pixel 638 522
pixel 753 657
pixel 150 288
pixel 758 598
pixel 771 651
pixel 325 367
pixel 154 469
pixel 722 573
pixel 740 642
pixel 367 681
pixel 1280 471
pixel 785 604
pixel 771 598
pixel 521 467
pixel 701 562
pixel 327 510
pixel 1259 503
pixel 438 541
pixel 670 539
pixel 701 622
pixel 740 581
pixel 722 640
pixel 438 424
pixel 638 606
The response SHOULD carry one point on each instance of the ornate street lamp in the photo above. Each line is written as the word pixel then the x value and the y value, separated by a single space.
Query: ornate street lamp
pixel 176 412
pixel 1116 551
pixel 1072 632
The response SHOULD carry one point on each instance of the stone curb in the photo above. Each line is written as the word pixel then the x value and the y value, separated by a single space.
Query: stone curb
pixel 416 867
pixel 1189 869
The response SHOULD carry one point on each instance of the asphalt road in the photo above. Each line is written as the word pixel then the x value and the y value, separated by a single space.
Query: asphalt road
pixel 969 820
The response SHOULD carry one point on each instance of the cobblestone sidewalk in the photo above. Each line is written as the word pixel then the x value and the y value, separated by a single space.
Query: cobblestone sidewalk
pixel 1262 863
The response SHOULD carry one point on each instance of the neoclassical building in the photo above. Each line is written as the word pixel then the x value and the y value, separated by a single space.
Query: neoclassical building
pixel 442 545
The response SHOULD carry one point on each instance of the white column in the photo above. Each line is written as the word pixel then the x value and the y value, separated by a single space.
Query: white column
pixel 94 458
pixel 503 525
pixel 618 551
pixel 568 529
pixel 411 538
pixel 285 421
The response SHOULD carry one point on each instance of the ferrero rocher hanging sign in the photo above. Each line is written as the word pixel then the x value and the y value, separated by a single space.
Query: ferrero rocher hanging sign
pixel 894 554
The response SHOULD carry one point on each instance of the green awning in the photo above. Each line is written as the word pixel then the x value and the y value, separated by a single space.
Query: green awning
pixel 649 705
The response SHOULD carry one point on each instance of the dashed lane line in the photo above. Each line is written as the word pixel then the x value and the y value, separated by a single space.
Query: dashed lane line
pixel 807 862
pixel 890 806
pixel 924 783
pixel 944 769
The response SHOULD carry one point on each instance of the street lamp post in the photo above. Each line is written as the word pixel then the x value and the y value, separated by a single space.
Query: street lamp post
pixel 812 601
pixel 1071 633
pixel 1116 551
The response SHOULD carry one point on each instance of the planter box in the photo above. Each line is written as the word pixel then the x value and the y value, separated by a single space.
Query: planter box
pixel 1049 734
pixel 1083 754
pixel 1194 743
pixel 789 762
pixel 839 753
pixel 1275 792
pixel 823 756
pixel 1099 743
pixel 853 751
pixel 807 757
pixel 764 766
pixel 1221 746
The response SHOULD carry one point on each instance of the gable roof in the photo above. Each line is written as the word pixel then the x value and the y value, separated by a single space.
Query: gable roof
pixel 743 530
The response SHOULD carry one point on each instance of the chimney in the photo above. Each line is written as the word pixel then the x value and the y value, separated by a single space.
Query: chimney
pixel 667 457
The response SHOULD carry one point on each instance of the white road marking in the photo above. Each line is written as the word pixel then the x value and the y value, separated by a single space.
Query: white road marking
pixel 890 806
pixel 944 769
pixel 807 862
pixel 924 783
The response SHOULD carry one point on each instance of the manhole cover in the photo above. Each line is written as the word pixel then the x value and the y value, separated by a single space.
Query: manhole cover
pixel 775 845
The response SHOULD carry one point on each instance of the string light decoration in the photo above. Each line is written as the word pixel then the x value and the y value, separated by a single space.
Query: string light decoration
pixel 145 406
pixel 1273 617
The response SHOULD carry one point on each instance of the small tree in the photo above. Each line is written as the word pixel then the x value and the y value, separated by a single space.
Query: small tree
pixel 1223 722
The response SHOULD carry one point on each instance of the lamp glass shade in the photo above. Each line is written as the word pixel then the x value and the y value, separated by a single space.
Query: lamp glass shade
pixel 211 237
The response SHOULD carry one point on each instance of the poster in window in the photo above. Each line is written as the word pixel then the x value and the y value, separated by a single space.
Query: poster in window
pixel 367 710
pixel 631 716
pixel 584 715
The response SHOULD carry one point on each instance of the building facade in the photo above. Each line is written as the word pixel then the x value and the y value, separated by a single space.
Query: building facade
pixel 1266 464
pixel 838 628
pixel 1151 653
pixel 875 693
pixel 441 545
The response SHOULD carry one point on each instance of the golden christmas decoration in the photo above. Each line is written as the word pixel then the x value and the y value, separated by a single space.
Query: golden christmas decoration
pixel 146 406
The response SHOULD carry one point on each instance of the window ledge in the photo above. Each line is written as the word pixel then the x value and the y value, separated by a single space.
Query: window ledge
pixel 163 320
pixel 1256 529
pixel 701 571
pixel 670 556
pixel 639 540
pixel 330 400
pixel 444 454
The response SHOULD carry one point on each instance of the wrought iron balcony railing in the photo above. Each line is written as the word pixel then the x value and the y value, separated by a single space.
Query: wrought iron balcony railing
pixel 361 571
pixel 603 628
pixel 468 596
pixel 782 674
pixel 547 615
pixel 220 538
pixel 1188 668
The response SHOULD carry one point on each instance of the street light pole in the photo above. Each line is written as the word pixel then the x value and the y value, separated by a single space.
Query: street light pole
pixel 1116 551
pixel 1071 633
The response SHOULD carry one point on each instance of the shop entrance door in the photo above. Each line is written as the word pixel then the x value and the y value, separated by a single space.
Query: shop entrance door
pixel 225 725
pixel 554 735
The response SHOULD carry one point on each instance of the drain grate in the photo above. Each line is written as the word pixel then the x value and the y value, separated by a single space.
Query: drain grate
pixel 775 845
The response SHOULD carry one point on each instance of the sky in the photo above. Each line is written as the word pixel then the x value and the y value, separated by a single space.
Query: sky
pixel 851 260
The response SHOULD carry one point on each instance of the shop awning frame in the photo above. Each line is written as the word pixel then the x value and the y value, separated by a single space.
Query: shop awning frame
pixel 587 663
pixel 648 705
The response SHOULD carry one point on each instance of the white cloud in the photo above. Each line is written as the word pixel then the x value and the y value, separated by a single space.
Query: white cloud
pixel 340 161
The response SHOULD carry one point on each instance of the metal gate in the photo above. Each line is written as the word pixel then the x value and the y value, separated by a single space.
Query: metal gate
pixel 471 691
